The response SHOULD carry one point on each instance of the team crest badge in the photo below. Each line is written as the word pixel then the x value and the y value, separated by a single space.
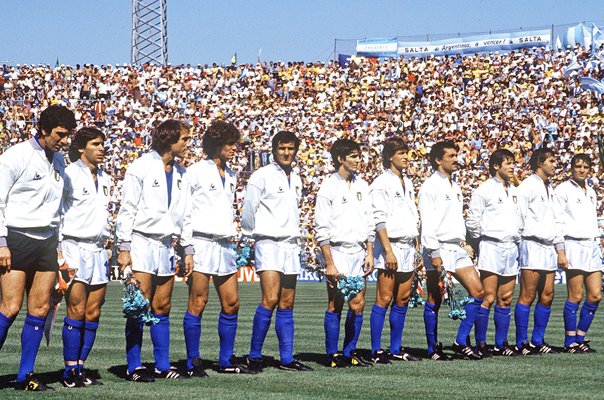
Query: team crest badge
pixel 344 200
pixel 280 190
pixel 579 200
pixel 397 194
pixel 85 192
pixel 37 177
pixel 500 201
pixel 57 176
pixel 212 187
pixel 105 190
pixel 155 183
pixel 359 196
pixel 179 184
pixel 447 197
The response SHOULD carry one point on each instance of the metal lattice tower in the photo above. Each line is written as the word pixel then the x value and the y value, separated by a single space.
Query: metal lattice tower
pixel 149 32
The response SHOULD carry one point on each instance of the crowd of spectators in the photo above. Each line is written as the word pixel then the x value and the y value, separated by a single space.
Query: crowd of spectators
pixel 520 100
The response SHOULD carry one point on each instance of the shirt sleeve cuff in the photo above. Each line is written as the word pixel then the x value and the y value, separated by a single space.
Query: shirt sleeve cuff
pixel 323 243
pixel 125 246
pixel 3 241
pixel 559 246
pixel 380 227
pixel 60 246
pixel 189 250
pixel 434 254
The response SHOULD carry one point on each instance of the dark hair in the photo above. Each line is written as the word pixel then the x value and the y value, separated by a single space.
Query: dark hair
pixel 342 148
pixel 497 158
pixel 81 139
pixel 285 137
pixel 166 134
pixel 437 151
pixel 218 134
pixel 390 147
pixel 581 157
pixel 54 116
pixel 539 156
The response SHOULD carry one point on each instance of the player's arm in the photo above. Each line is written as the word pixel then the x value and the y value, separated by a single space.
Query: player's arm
pixel 132 191
pixel 186 238
pixel 253 194
pixel 561 213
pixel 429 217
pixel 323 207
pixel 8 178
pixel 379 205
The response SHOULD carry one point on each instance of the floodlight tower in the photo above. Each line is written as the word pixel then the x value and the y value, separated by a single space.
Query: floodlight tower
pixel 149 32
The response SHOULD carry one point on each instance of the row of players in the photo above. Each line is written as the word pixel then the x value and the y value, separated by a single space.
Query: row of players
pixel 530 228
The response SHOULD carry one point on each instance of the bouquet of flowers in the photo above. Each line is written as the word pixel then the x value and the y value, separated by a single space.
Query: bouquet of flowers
pixel 135 305
pixel 245 252
pixel 350 286
pixel 451 295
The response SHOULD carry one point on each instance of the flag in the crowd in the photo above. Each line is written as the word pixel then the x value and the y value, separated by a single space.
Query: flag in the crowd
pixel 259 53
pixel 57 65
pixel 597 39
pixel 574 66
pixel 234 59
pixel 558 43
pixel 592 85
pixel 601 148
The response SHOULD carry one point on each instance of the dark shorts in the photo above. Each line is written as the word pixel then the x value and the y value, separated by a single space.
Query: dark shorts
pixel 29 254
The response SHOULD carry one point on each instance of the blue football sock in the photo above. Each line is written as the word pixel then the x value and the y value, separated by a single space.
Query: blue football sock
pixel 5 324
pixel 521 318
pixel 90 328
pixel 587 315
pixel 191 325
pixel 397 324
pixel 541 318
pixel 353 326
pixel 227 331
pixel 431 325
pixel 570 322
pixel 466 325
pixel 134 342
pixel 160 336
pixel 332 331
pixel 502 318
pixel 262 321
pixel 376 325
pixel 284 326
pixel 31 336
pixel 482 325
pixel 73 330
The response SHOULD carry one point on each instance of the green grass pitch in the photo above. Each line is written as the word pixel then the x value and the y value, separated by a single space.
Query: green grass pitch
pixel 560 376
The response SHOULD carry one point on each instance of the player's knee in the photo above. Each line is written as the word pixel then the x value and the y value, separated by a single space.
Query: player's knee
pixel 383 299
pixel 93 314
pixel 357 305
pixel 575 296
pixel 270 302
pixel 231 307
pixel 594 298
pixel 546 298
pixel 76 311
pixel 11 310
pixel 39 310
pixel 477 293
pixel 162 308
pixel 487 300
pixel 197 304
pixel 505 300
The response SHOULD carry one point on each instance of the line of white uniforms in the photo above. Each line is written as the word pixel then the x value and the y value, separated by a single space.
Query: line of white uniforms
pixel 271 215
pixel 578 223
pixel 146 224
pixel 540 231
pixel 443 228
pixel 494 217
pixel 31 188
pixel 212 218
pixel 344 219
pixel 394 209
pixel 85 223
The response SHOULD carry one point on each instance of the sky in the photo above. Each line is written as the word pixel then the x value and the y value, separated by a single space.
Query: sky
pixel 211 31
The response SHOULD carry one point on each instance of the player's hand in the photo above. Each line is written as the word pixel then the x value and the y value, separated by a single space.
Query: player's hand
pixel 5 257
pixel 124 260
pixel 60 258
pixel 468 249
pixel 331 275
pixel 562 260
pixel 391 262
pixel 437 263
pixel 368 265
pixel 189 264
